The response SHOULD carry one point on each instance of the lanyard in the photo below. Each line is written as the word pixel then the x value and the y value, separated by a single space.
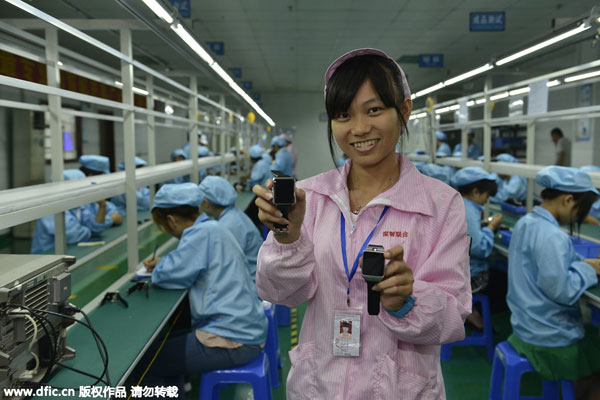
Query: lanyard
pixel 350 275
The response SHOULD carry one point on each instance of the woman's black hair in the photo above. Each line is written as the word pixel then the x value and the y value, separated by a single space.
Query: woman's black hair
pixel 159 215
pixel 583 203
pixel 484 186
pixel 347 79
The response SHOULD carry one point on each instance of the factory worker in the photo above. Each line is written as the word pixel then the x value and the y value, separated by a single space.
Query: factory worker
pixel 203 150
pixel 261 166
pixel 378 198
pixel 103 214
pixel 179 155
pixel 512 187
pixel 594 214
pixel 546 278
pixel 43 236
pixel 476 185
pixel 228 322
pixel 260 173
pixel 473 150
pixel 142 195
pixel 437 172
pixel 292 150
pixel 283 159
pixel 443 150
pixel 219 202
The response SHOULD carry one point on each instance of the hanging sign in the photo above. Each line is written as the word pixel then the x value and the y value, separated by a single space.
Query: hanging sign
pixel 486 21
pixel 217 47
pixel 183 7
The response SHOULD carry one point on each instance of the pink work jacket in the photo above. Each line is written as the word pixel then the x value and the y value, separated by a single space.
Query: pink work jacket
pixel 399 357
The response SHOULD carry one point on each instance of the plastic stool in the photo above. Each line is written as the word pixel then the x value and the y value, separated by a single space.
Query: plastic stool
pixel 510 365
pixel 476 339
pixel 272 344
pixel 256 373
pixel 282 315
pixel 595 315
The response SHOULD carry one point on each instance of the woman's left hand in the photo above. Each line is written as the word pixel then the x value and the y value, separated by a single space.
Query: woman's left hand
pixel 397 283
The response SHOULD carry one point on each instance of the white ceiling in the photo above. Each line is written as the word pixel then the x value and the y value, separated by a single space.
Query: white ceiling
pixel 286 45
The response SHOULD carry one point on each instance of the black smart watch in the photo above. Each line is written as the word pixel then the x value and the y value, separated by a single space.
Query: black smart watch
pixel 284 193
pixel 373 270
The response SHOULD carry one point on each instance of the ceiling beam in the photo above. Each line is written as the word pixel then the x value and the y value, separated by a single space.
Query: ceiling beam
pixel 81 24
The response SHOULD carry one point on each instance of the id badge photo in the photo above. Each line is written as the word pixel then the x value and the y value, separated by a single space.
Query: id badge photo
pixel 346 332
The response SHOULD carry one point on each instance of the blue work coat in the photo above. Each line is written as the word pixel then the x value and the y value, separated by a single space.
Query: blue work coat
pixel 261 171
pixel 223 299
pixel 482 239
pixel 545 279
pixel 88 217
pixel 246 234
pixel 43 236
pixel 143 200
pixel 284 162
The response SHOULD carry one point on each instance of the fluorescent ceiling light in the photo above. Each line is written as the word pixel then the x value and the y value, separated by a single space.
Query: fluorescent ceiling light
pixel 517 92
pixel 582 76
pixel 60 63
pixel 555 82
pixel 140 91
pixel 470 103
pixel 190 41
pixel 442 110
pixel 413 96
pixel 499 96
pixel 469 74
pixel 417 116
pixel 480 101
pixel 454 107
pixel 430 89
pixel 136 90
pixel 169 110
pixel 198 49
pixel 159 11
pixel 222 73
pixel 517 103
pixel 543 44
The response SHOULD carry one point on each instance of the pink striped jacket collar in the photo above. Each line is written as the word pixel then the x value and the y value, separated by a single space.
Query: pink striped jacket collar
pixel 416 200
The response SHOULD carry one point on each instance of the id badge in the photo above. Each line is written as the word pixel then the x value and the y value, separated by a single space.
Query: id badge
pixel 346 332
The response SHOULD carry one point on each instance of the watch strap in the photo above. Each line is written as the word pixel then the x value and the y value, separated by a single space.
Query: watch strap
pixel 372 299
pixel 284 211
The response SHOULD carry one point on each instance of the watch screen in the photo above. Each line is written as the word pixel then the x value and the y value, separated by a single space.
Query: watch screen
pixel 373 263
pixel 284 191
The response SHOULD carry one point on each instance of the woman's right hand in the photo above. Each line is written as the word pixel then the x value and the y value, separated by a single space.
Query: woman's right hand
pixel 269 214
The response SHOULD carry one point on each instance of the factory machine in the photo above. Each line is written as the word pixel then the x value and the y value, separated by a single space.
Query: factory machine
pixel 32 338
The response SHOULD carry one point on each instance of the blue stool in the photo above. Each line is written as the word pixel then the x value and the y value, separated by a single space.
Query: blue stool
pixel 595 315
pixel 508 363
pixel 256 373
pixel 476 339
pixel 272 344
pixel 282 315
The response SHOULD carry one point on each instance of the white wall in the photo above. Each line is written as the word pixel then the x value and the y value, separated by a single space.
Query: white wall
pixel 300 110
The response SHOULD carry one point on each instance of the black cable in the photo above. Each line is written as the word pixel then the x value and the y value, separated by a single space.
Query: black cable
pixel 104 355
pixel 53 345
pixel 105 372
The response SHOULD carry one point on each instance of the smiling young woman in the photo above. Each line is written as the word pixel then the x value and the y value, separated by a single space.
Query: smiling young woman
pixel 424 295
